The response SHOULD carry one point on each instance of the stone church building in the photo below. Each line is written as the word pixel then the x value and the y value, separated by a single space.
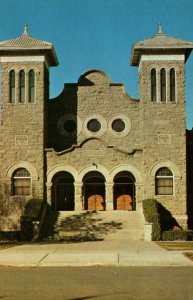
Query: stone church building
pixel 94 147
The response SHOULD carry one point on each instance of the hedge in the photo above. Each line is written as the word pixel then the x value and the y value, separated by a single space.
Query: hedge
pixel 33 209
pixel 32 212
pixel 183 235
pixel 164 225
pixel 150 210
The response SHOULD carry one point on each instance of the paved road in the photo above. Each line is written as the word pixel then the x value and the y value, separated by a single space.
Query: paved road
pixel 97 283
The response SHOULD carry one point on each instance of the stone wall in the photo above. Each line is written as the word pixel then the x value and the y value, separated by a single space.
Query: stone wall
pixel 163 136
pixel 22 131
pixel 82 151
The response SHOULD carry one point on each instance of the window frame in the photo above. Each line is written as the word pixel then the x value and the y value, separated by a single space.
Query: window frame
pixel 153 85
pixel 12 89
pixel 172 85
pixel 22 86
pixel 118 125
pixel 94 125
pixel 163 84
pixel 161 178
pixel 31 86
pixel 16 178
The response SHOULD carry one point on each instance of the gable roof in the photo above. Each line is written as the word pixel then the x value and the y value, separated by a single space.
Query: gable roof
pixel 160 42
pixel 25 42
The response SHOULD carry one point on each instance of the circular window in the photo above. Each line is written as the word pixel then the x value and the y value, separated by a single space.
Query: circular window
pixel 94 125
pixel 69 126
pixel 118 125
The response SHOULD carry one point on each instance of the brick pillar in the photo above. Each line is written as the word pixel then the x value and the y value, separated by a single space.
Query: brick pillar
pixel 78 196
pixel 138 197
pixel 49 194
pixel 109 195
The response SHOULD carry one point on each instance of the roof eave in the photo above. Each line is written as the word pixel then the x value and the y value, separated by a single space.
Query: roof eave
pixel 47 49
pixel 136 51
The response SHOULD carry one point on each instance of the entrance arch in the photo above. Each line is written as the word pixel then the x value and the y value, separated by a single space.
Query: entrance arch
pixel 94 191
pixel 63 191
pixel 124 191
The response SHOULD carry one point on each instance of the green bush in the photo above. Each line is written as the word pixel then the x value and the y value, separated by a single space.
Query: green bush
pixel 150 210
pixel 7 236
pixel 183 235
pixel 33 209
pixel 32 212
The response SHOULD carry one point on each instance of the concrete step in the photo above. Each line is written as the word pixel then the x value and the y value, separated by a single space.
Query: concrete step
pixel 108 225
pixel 135 235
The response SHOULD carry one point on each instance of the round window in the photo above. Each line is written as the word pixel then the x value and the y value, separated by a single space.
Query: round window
pixel 118 125
pixel 69 126
pixel 93 125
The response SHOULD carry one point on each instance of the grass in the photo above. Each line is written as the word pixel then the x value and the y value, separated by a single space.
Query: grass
pixel 177 245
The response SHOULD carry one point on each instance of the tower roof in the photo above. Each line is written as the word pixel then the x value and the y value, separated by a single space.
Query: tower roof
pixel 159 42
pixel 26 43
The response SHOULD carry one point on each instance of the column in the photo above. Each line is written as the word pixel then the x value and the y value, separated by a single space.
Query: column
pixel 138 197
pixel 78 196
pixel 49 194
pixel 109 195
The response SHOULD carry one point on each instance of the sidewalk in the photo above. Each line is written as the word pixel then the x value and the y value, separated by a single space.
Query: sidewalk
pixel 109 253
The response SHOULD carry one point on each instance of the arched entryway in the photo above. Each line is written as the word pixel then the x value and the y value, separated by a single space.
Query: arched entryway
pixel 124 191
pixel 63 191
pixel 94 191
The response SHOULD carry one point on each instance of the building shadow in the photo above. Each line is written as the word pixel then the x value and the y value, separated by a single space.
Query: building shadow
pixel 62 122
pixel 86 226
pixel 167 221
pixel 48 227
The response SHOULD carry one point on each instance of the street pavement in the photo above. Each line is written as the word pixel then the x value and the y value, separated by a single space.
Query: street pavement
pixel 107 253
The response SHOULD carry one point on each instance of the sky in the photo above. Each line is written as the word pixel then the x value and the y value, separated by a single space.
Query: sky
pixel 99 34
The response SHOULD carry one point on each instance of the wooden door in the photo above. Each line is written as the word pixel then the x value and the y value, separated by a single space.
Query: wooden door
pixel 124 202
pixel 64 197
pixel 95 202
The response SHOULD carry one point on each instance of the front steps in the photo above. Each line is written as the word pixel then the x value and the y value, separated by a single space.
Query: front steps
pixel 100 225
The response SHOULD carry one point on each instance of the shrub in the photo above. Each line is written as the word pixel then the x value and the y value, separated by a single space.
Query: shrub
pixel 150 209
pixel 32 213
pixel 33 209
pixel 183 235
pixel 7 236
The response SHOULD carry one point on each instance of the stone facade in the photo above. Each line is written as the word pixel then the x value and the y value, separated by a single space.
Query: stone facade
pixel 164 136
pixel 93 147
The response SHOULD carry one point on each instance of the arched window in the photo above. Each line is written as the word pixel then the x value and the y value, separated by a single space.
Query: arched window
pixel 21 182
pixel 172 85
pixel 31 87
pixel 153 85
pixel 164 182
pixel 22 86
pixel 12 86
pixel 163 84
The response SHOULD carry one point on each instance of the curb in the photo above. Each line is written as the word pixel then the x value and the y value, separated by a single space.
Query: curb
pixel 79 259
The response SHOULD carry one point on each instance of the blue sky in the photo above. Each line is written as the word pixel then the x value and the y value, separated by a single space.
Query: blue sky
pixel 98 34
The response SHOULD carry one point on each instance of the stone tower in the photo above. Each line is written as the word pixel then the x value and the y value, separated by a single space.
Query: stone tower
pixel 24 70
pixel 161 61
